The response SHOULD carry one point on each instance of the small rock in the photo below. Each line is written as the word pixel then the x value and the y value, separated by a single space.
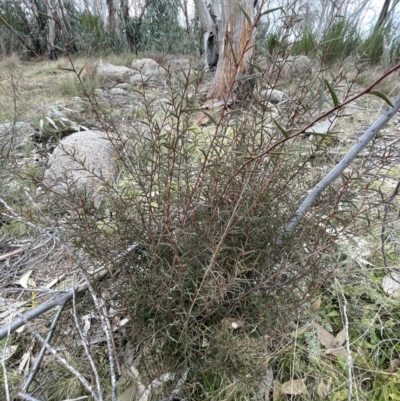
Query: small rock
pixel 273 96
pixel 177 69
pixel 137 79
pixel 124 85
pixel 78 161
pixel 178 65
pixel 146 66
pixel 98 92
pixel 296 66
pixel 114 73
pixel 391 285
pixel 118 91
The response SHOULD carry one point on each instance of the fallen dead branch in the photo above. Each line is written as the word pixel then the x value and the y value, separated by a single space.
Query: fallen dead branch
pixel 59 298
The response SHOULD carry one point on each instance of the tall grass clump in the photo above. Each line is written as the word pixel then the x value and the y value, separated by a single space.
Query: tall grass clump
pixel 382 43
pixel 274 44
pixel 307 43
pixel 339 41
pixel 371 49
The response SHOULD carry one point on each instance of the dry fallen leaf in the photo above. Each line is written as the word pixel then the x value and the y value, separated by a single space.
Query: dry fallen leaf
pixel 333 345
pixel 24 281
pixel 24 363
pixel 87 324
pixel 276 392
pixel 294 387
pixel 7 352
pixel 324 388
pixel 315 305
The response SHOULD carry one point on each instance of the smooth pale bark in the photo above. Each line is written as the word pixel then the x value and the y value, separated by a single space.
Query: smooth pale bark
pixel 51 35
pixel 237 37
pixel 384 12
pixel 209 22
pixel 204 16
pixel 125 16
pixel 183 5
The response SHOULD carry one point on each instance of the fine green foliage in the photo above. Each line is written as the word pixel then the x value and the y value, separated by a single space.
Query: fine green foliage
pixel 307 43
pixel 372 48
pixel 339 41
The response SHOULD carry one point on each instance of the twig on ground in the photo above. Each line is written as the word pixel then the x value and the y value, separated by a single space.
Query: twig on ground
pixel 28 397
pixel 60 299
pixel 13 253
pixel 85 346
pixel 64 362
pixel 349 357
pixel 100 310
pixel 368 135
pixel 3 365
pixel 39 359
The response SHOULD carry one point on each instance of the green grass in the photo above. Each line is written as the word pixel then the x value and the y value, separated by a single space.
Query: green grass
pixel 339 41
pixel 307 43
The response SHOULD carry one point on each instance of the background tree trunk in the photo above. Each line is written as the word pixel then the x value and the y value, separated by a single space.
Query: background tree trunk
pixel 236 47
pixel 128 29
pixel 210 25
pixel 386 11
pixel 111 17
pixel 51 35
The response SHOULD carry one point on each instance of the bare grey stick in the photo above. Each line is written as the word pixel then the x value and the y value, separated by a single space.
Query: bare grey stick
pixel 39 359
pixel 59 299
pixel 28 397
pixel 340 167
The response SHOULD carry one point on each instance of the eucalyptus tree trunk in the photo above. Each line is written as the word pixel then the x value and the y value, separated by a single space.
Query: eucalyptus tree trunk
pixel 51 34
pixel 385 11
pixel 229 41
pixel 111 23
pixel 211 22
pixel 128 30
pixel 183 5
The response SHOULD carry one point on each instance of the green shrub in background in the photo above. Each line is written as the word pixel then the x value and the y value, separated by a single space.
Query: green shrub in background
pixel 339 41
pixel 160 30
pixel 372 48
pixel 91 35
pixel 307 43
pixel 30 26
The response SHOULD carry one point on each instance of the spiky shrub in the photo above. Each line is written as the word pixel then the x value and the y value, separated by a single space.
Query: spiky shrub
pixel 211 277
pixel 211 274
